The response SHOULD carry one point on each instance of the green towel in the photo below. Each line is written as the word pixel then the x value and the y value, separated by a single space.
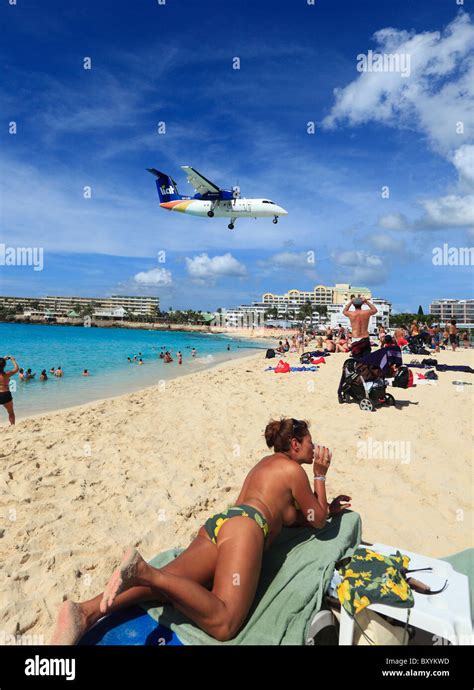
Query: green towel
pixel 463 562
pixel 296 571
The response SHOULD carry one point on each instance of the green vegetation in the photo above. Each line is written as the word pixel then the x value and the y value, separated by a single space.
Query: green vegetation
pixel 397 320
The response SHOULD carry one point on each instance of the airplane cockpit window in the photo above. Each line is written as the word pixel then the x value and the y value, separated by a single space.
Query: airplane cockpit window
pixel 265 201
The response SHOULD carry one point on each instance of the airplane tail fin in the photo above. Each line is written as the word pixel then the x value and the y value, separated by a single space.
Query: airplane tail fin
pixel 166 186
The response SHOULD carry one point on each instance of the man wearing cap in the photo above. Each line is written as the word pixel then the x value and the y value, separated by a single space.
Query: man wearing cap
pixel 359 319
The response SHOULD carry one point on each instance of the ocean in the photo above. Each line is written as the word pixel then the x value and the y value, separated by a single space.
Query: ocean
pixel 104 352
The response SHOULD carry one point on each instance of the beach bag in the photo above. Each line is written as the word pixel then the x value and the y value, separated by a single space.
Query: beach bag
pixel 372 578
pixel 403 378
pixel 270 354
pixel 282 367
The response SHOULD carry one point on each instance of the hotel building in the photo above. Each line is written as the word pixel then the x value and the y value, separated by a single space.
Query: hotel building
pixel 62 306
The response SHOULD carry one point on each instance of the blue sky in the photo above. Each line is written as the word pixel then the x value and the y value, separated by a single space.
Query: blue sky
pixel 172 63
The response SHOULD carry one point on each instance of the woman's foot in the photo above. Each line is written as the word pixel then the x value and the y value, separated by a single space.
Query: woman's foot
pixel 127 575
pixel 70 626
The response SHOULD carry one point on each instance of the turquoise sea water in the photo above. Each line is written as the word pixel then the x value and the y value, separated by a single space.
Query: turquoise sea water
pixel 104 352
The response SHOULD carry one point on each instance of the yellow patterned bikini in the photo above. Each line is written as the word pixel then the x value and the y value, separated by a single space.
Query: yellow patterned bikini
pixel 214 523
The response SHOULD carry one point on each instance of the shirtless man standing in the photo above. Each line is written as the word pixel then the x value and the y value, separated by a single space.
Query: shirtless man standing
pixel 453 335
pixel 359 319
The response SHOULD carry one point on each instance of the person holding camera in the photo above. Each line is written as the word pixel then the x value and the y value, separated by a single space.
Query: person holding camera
pixel 5 394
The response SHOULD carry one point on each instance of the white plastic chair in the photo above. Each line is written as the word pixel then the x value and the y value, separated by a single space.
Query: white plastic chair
pixel 446 615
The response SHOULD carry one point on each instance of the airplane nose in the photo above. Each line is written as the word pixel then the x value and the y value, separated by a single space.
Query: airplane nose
pixel 282 212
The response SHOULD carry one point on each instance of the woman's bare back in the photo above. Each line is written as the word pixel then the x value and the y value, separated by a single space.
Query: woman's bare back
pixel 267 488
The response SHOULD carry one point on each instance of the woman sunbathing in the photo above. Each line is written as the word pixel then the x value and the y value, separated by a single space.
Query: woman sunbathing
pixel 213 582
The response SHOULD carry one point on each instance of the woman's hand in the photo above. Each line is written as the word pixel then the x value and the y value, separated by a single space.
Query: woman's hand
pixel 338 504
pixel 322 460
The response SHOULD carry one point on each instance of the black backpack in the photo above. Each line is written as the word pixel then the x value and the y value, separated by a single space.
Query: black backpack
pixel 270 354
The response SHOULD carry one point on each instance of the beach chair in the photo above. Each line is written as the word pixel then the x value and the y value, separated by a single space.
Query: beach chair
pixel 446 616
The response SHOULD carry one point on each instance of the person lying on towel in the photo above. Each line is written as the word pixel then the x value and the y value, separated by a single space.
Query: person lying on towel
pixel 200 582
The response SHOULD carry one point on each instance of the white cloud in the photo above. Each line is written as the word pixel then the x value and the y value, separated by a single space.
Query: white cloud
pixel 357 257
pixel 394 221
pixel 361 267
pixel 437 95
pixel 203 268
pixel 156 277
pixel 437 99
pixel 463 159
pixel 298 260
pixel 450 211
pixel 387 243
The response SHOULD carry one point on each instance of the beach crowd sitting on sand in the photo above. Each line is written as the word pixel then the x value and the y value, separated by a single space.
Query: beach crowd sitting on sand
pixel 357 340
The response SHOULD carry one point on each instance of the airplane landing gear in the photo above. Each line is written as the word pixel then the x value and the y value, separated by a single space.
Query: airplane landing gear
pixel 210 214
pixel 275 220
pixel 231 224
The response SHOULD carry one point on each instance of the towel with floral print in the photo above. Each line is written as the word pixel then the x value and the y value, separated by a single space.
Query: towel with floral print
pixel 372 578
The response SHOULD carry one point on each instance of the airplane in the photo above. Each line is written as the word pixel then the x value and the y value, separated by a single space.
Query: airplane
pixel 211 200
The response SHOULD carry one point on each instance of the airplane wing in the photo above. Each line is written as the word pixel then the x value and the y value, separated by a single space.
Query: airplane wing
pixel 200 183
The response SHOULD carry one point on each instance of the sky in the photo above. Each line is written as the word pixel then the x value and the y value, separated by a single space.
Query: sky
pixel 375 168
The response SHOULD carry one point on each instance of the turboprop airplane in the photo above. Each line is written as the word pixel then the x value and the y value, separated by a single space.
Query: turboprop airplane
pixel 210 200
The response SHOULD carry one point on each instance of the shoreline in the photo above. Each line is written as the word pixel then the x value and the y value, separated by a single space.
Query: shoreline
pixel 118 396
pixel 122 379
pixel 231 331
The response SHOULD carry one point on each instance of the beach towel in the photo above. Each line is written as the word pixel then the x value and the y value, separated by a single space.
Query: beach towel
pixel 286 371
pixel 360 348
pixel 296 572
pixel 443 367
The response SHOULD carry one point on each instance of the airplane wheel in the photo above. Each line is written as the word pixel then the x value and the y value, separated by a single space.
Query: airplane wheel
pixel 275 220
pixel 210 214
pixel 231 226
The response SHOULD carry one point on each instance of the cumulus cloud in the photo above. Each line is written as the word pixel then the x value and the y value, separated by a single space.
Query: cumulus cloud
pixel 463 159
pixel 298 260
pixel 361 267
pixel 450 211
pixel 357 257
pixel 206 269
pixel 394 221
pixel 436 98
pixel 436 95
pixel 387 243
pixel 156 277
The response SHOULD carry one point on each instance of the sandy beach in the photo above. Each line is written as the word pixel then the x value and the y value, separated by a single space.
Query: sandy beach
pixel 148 468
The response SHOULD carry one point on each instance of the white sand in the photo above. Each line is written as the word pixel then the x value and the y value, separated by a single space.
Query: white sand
pixel 79 485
